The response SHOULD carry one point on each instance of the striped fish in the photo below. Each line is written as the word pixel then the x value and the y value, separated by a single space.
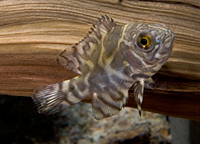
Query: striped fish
pixel 109 61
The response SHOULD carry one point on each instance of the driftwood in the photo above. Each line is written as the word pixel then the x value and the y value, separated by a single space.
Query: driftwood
pixel 32 33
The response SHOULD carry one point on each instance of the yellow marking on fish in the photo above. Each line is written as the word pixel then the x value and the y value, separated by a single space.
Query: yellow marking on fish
pixel 110 60
pixel 100 59
pixel 90 64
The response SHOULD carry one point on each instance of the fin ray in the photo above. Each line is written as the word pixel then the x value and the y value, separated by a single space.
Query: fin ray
pixel 51 99
pixel 149 83
pixel 74 58
pixel 48 99
pixel 66 59
pixel 104 105
pixel 138 94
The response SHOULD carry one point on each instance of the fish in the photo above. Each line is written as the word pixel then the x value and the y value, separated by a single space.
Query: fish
pixel 109 61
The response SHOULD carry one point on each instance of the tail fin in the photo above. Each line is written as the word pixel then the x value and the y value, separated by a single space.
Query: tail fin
pixel 51 99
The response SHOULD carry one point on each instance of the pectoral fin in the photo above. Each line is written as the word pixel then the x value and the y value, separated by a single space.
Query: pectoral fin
pixel 149 83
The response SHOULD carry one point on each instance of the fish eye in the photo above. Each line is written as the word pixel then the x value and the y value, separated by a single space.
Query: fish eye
pixel 145 41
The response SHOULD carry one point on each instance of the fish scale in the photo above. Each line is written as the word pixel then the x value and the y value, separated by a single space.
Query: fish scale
pixel 110 60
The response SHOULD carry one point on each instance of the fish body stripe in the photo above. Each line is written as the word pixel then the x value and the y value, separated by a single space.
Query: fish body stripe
pixel 109 60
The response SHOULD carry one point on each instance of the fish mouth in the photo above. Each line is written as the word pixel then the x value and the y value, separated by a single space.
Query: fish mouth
pixel 167 45
pixel 170 35
pixel 161 55
pixel 168 40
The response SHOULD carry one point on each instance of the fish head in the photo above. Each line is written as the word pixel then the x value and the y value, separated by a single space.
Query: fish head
pixel 150 47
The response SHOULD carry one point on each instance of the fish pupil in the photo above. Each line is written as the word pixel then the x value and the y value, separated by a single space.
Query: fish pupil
pixel 144 41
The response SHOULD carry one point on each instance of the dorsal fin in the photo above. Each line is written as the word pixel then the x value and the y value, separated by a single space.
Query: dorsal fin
pixel 103 25
pixel 75 57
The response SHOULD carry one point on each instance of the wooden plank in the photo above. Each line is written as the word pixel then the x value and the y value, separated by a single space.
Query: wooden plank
pixel 32 33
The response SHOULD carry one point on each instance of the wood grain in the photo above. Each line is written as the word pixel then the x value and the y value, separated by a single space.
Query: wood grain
pixel 32 33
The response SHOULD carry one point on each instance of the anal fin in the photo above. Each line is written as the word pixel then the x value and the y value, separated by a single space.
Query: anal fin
pixel 107 104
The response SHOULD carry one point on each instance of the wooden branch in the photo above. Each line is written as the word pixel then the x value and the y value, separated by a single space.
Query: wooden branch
pixel 32 33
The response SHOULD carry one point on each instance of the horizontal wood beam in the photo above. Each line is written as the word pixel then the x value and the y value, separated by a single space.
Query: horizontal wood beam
pixel 32 33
